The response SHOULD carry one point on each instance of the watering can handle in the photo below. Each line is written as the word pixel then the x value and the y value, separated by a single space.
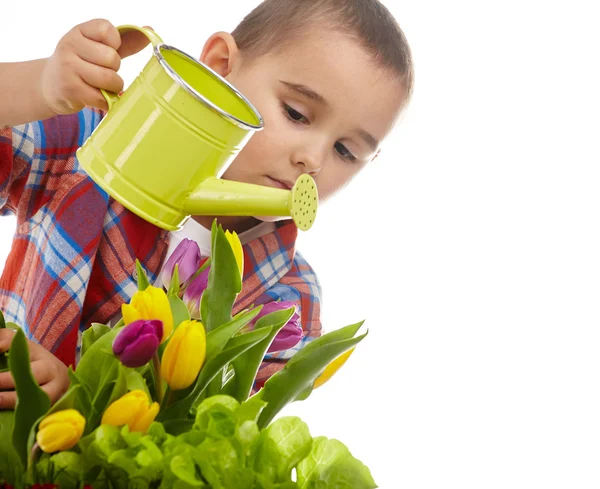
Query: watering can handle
pixel 152 36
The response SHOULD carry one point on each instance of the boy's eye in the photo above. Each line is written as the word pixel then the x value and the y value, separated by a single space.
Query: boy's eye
pixel 344 152
pixel 294 115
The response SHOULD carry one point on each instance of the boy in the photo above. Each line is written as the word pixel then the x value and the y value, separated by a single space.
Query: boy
pixel 330 78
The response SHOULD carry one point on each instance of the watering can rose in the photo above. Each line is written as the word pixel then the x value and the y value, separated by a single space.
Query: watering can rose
pixel 151 303
pixel 60 430
pixel 133 409
pixel 184 355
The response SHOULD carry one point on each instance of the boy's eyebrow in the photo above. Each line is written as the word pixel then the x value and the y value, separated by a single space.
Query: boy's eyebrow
pixel 304 90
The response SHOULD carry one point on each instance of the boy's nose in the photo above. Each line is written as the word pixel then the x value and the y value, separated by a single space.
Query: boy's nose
pixel 312 164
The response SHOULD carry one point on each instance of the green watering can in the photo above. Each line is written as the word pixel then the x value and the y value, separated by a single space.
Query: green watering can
pixel 164 143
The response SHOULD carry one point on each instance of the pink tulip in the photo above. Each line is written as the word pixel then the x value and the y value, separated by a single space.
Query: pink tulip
pixel 187 256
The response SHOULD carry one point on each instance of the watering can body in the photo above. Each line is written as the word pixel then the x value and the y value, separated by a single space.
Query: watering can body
pixel 164 143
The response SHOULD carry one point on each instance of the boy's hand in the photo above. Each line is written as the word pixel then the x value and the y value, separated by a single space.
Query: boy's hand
pixel 86 59
pixel 49 372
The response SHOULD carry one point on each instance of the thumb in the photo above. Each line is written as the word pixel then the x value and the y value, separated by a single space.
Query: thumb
pixel 132 42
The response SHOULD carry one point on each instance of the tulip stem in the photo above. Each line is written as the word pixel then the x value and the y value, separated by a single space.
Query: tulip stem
pixel 31 462
pixel 157 378
pixel 168 400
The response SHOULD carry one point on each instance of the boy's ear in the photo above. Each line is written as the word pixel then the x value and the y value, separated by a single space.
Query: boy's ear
pixel 220 53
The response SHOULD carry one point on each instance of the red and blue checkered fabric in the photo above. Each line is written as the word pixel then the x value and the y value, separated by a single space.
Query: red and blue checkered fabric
pixel 73 253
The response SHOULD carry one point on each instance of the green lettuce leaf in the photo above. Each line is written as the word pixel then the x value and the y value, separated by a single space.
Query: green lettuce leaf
pixel 331 465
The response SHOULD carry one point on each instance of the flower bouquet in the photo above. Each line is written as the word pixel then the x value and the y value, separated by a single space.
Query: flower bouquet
pixel 165 398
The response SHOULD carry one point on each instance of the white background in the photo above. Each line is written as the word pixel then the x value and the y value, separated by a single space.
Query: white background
pixel 471 247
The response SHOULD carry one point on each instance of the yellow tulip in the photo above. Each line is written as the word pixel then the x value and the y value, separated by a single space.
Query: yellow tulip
pixel 60 430
pixel 184 355
pixel 151 303
pixel 238 252
pixel 133 409
pixel 332 368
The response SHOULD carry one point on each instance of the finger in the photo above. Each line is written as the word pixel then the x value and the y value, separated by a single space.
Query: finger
pixel 91 97
pixel 99 77
pixel 132 42
pixel 6 381
pixel 8 400
pixel 99 54
pixel 6 337
pixel 41 372
pixel 54 389
pixel 101 30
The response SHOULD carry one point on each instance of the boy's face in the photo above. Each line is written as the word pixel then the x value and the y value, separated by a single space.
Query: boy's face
pixel 326 108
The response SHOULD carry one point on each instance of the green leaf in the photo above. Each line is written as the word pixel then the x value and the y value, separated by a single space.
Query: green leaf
pixel 181 408
pixel 224 282
pixel 341 334
pixel 295 380
pixel 32 401
pixel 217 459
pixel 183 467
pixel 179 310
pixel 330 464
pixel 3 355
pixel 218 338
pixel 216 341
pixel 250 410
pixel 246 366
pixel 178 426
pixel 11 467
pixel 99 365
pixel 67 469
pixel 142 278
pixel 280 447
pixel 92 334
pixel 174 285
pixel 212 404
pixel 135 381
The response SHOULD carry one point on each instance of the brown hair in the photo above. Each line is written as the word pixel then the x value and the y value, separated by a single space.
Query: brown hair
pixel 274 24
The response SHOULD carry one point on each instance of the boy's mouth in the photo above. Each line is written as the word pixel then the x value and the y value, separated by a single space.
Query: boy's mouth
pixel 280 184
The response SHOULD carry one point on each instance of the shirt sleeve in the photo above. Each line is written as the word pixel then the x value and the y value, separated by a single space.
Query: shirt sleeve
pixel 16 154
pixel 34 156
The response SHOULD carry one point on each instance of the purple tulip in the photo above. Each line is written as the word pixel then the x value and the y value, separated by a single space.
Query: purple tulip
pixel 187 256
pixel 193 293
pixel 290 334
pixel 137 342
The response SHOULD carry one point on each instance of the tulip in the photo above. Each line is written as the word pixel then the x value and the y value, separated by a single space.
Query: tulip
pixel 184 355
pixel 193 293
pixel 137 342
pixel 187 256
pixel 287 336
pixel 236 246
pixel 133 409
pixel 332 368
pixel 60 430
pixel 151 303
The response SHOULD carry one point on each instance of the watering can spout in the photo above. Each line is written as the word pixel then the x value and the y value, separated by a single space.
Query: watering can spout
pixel 218 197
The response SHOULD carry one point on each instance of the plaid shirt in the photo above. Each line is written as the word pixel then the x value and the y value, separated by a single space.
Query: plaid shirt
pixel 74 250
